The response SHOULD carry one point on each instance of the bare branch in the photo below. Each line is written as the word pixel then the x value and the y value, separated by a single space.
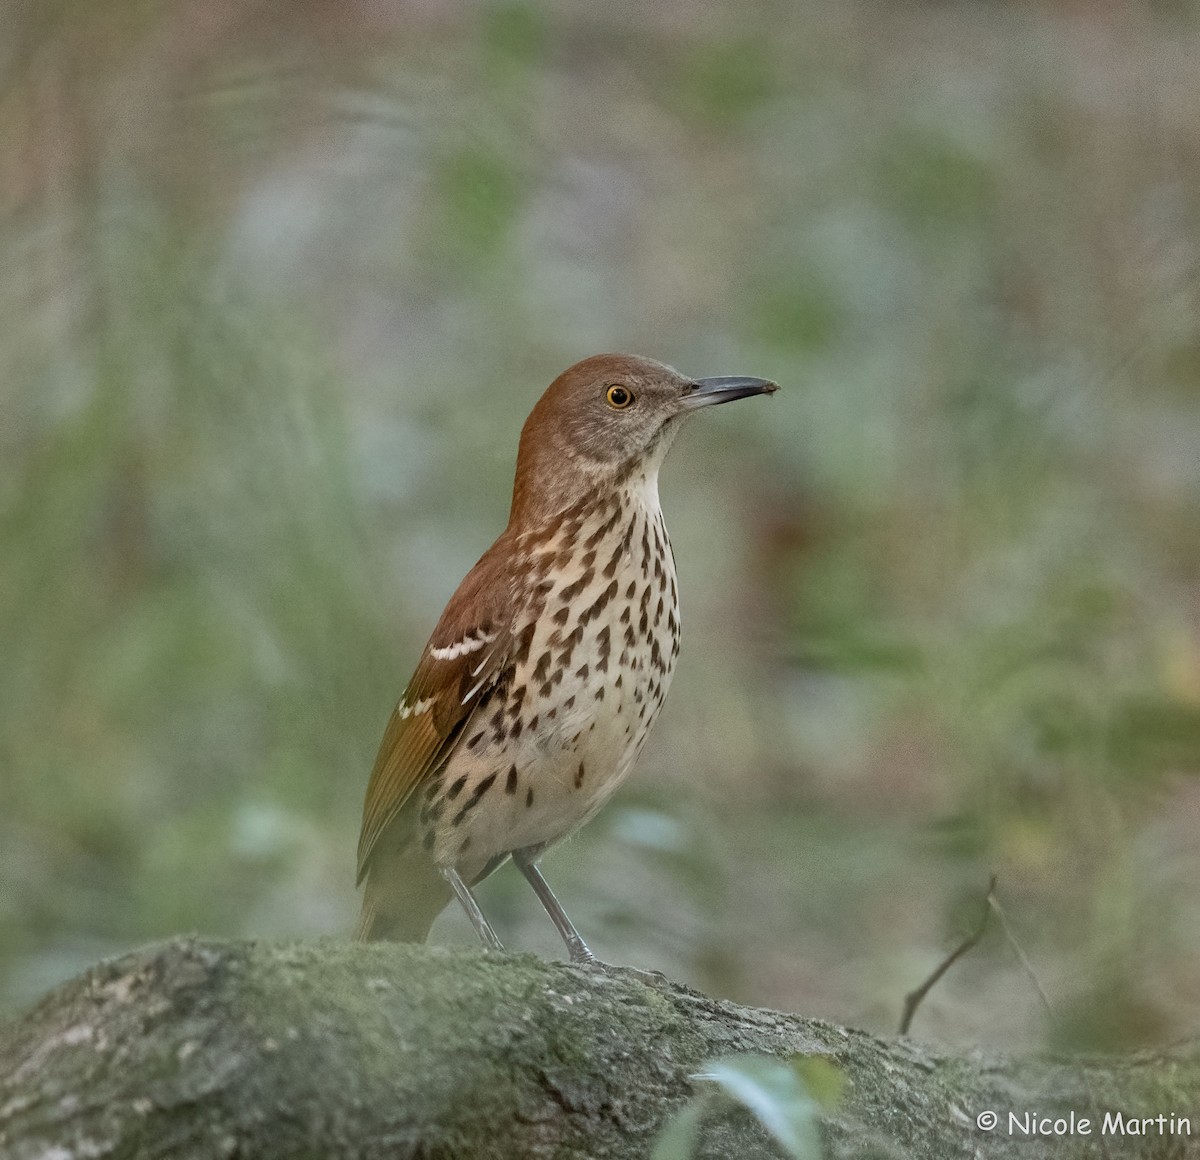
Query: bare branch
pixel 914 998
pixel 1027 966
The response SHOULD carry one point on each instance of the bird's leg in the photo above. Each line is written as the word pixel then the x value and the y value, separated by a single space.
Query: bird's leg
pixel 579 951
pixel 462 892
pixel 576 947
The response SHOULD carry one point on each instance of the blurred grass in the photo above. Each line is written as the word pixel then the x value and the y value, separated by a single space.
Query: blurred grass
pixel 275 300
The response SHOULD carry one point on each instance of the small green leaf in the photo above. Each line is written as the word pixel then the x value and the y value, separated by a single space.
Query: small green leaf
pixel 822 1079
pixel 775 1094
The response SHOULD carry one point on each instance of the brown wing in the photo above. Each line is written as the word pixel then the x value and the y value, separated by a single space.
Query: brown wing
pixel 469 650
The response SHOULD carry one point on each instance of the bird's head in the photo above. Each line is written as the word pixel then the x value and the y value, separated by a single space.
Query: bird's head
pixel 605 417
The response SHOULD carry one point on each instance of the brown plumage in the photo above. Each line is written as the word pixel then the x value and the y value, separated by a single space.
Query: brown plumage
pixel 548 667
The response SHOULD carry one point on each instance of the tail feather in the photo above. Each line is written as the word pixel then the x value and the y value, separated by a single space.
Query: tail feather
pixel 404 894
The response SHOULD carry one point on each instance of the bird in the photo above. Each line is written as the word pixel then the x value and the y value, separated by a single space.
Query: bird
pixel 548 667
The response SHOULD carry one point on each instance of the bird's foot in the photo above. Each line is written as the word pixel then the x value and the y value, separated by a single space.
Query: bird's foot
pixel 647 978
pixel 616 970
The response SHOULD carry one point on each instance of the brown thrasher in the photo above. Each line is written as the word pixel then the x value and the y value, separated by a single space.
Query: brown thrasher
pixel 549 665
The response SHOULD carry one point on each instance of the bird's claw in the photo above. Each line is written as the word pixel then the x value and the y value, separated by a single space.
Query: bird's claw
pixel 617 970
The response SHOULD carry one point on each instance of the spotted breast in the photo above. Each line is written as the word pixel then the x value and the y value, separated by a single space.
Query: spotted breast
pixel 594 646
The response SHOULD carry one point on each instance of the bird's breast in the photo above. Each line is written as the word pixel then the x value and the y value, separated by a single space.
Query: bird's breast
pixel 597 603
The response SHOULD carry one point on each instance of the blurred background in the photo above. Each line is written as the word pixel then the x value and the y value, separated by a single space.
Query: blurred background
pixel 278 286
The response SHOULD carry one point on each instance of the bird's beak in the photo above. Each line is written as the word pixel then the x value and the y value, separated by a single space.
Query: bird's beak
pixel 724 389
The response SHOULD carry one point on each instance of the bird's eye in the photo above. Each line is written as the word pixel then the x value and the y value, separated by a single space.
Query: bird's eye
pixel 619 397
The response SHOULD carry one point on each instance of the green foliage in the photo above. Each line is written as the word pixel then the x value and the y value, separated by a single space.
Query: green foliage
pixel 934 182
pixel 776 1093
pixel 798 314
pixel 514 34
pixel 722 81
pixel 476 196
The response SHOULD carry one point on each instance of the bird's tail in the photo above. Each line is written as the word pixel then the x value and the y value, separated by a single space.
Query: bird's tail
pixel 404 894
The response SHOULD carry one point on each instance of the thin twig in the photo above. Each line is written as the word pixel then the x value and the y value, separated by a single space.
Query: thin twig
pixel 994 903
pixel 914 998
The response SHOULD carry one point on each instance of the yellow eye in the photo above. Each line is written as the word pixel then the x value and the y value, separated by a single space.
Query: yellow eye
pixel 619 397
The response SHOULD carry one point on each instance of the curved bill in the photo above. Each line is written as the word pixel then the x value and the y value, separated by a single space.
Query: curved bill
pixel 724 389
